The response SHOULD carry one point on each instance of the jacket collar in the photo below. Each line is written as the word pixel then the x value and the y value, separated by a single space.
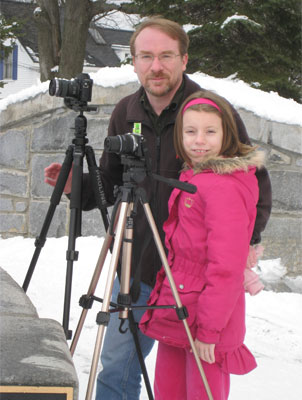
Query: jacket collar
pixel 221 165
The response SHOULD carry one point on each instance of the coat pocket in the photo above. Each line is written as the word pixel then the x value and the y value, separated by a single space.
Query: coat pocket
pixel 189 288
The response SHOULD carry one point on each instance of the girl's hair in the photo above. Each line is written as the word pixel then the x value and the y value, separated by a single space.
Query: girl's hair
pixel 170 28
pixel 231 145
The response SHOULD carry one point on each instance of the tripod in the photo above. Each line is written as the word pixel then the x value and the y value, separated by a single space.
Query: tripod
pixel 73 160
pixel 130 195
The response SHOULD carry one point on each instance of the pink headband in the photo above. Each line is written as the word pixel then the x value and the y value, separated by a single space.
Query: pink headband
pixel 200 101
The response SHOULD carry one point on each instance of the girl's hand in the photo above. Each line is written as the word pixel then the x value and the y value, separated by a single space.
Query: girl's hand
pixel 205 351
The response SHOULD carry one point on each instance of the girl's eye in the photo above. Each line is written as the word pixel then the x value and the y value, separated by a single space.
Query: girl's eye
pixel 189 132
pixel 211 131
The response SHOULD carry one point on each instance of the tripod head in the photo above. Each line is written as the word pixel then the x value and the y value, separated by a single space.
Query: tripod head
pixel 136 160
pixel 137 166
pixel 79 105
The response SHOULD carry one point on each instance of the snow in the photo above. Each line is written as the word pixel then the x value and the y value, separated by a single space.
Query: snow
pixel 274 320
pixel 268 105
pixel 237 17
pixel 119 20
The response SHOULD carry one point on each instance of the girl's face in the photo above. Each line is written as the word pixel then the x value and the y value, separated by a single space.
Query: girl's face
pixel 202 134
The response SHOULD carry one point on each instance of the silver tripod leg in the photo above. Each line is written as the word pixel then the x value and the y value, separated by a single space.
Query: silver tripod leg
pixel 91 290
pixel 107 295
pixel 126 261
pixel 164 260
pixel 93 285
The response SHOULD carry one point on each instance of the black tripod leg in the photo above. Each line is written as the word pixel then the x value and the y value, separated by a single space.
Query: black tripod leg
pixel 54 201
pixel 74 230
pixel 134 330
pixel 97 185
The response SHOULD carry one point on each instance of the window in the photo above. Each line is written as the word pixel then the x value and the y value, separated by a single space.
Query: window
pixel 9 66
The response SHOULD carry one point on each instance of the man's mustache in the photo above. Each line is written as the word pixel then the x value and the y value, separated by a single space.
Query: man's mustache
pixel 159 75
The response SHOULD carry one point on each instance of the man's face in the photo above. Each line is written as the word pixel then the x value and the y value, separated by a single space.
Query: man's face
pixel 158 63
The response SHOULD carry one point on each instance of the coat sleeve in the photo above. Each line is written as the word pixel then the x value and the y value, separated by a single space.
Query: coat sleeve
pixel 264 205
pixel 229 225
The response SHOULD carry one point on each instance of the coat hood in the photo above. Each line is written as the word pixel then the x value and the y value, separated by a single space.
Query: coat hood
pixel 222 165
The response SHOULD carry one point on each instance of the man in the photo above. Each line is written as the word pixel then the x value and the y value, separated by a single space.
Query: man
pixel 159 51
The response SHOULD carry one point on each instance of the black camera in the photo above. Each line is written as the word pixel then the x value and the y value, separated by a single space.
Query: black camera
pixel 129 143
pixel 79 88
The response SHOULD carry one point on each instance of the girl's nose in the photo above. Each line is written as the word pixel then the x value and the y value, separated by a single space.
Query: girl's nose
pixel 200 138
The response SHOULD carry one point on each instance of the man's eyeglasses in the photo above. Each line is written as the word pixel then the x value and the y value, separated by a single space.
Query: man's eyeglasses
pixel 164 59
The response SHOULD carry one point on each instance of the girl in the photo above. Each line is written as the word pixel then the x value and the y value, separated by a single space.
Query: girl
pixel 207 237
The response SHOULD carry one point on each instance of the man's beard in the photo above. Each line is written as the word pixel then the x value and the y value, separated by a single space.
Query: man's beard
pixel 163 90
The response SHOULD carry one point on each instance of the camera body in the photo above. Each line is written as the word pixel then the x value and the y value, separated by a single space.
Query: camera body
pixel 79 88
pixel 127 144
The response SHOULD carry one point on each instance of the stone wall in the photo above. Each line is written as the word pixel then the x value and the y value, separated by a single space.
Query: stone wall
pixel 37 131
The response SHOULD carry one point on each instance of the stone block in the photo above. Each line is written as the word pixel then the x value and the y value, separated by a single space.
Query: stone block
pixel 257 128
pixel 56 133
pixel 6 204
pixel 92 223
pixel 38 212
pixel 13 183
pixel 12 224
pixel 288 137
pixel 19 141
pixel 97 130
pixel 286 189
pixel 282 238
pixel 21 206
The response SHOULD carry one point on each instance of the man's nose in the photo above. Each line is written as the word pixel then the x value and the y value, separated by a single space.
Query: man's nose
pixel 156 64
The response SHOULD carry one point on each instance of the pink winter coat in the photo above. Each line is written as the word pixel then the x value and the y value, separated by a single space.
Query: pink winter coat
pixel 208 235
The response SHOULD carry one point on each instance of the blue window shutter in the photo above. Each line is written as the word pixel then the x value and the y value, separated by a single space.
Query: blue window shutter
pixel 15 63
pixel 1 70
pixel 1 65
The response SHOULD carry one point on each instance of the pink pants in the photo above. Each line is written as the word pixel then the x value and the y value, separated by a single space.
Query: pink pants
pixel 177 376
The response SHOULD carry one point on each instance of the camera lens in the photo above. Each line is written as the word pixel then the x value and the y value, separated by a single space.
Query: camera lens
pixel 53 87
pixel 63 88
pixel 112 144
pixel 121 144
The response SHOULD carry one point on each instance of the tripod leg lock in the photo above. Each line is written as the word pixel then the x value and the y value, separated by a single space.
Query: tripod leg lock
pixel 72 255
pixel 103 318
pixel 86 301
pixel 39 242
pixel 182 312
pixel 124 299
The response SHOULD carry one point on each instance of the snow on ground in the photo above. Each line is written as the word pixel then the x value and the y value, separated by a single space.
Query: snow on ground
pixel 274 320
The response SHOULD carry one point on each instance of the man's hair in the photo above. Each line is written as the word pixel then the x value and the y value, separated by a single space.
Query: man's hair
pixel 170 28
pixel 231 145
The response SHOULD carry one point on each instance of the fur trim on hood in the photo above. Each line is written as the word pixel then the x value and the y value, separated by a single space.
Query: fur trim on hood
pixel 223 165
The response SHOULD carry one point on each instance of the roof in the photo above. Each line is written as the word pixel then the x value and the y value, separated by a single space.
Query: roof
pixel 99 52
pixel 23 12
